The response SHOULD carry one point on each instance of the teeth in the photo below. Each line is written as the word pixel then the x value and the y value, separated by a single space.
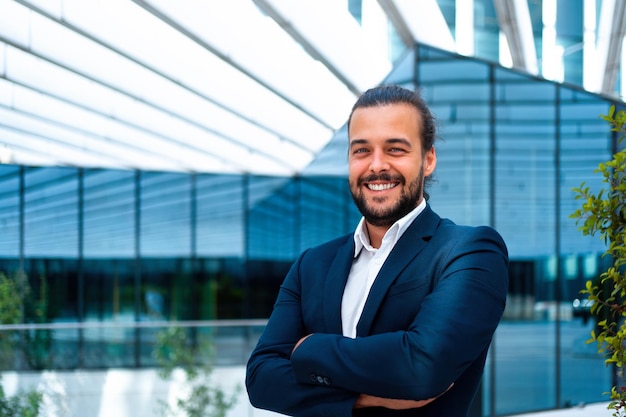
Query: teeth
pixel 380 187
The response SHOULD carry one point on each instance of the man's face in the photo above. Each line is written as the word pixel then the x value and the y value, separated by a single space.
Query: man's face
pixel 386 163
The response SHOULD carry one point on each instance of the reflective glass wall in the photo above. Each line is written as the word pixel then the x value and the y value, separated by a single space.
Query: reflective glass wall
pixel 512 149
pixel 123 246
pixel 119 246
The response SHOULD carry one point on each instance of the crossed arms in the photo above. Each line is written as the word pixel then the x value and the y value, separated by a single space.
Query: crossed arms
pixel 329 374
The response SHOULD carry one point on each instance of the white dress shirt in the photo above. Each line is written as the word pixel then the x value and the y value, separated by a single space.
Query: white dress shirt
pixel 365 267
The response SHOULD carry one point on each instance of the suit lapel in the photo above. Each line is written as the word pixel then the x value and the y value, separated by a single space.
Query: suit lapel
pixel 335 284
pixel 403 253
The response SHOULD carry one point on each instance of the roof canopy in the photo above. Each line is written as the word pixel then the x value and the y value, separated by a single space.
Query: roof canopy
pixel 237 86
pixel 201 86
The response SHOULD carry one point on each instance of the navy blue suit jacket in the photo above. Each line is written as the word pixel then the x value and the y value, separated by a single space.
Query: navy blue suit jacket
pixel 427 322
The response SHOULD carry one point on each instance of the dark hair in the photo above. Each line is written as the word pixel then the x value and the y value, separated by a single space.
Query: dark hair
pixel 394 94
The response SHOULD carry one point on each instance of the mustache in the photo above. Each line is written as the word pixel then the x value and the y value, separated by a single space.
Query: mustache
pixel 382 177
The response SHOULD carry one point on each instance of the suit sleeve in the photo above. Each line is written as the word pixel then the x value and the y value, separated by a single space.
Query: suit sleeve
pixel 453 326
pixel 270 379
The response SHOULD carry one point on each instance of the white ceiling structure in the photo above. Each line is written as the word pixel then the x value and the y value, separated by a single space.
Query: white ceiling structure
pixel 193 85
pixel 227 86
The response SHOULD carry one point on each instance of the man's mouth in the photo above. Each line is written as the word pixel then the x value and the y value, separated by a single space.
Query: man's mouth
pixel 381 187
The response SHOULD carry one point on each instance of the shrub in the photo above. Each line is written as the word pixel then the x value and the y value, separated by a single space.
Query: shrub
pixel 604 214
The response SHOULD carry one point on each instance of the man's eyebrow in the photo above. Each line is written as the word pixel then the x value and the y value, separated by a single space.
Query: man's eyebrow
pixel 399 140
pixel 389 141
pixel 358 142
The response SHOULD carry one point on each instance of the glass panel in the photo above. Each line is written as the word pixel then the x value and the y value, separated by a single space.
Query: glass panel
pixel 159 276
pixel 51 212
pixel 262 281
pixel 460 186
pixel 109 298
pixel 585 142
pixel 525 120
pixel 51 251
pixel 325 210
pixel 163 283
pixel 109 268
pixel 525 366
pixel 220 290
pixel 220 216
pixel 525 135
pixel 165 214
pixel 109 214
pixel 438 66
pixel 273 219
pixel 9 212
pixel 53 298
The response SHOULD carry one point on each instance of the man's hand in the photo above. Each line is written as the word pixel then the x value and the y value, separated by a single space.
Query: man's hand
pixel 299 342
pixel 370 401
pixel 365 400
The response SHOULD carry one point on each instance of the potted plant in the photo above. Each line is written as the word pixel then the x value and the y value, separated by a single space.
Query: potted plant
pixel 603 214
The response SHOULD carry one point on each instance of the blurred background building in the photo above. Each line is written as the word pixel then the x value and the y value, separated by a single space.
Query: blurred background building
pixel 166 161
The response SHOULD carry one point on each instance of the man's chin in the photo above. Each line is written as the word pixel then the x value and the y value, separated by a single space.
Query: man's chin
pixel 378 222
pixel 380 218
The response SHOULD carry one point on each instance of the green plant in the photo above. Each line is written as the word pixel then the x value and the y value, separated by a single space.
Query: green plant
pixel 12 294
pixel 23 404
pixel 604 214
pixel 175 350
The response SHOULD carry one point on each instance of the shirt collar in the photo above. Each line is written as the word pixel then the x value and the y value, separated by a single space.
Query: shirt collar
pixel 362 239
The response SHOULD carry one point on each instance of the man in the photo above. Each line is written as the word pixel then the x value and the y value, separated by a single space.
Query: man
pixel 395 319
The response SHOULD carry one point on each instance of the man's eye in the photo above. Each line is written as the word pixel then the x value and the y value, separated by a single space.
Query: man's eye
pixel 360 150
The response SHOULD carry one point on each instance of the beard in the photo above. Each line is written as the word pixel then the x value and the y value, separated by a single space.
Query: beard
pixel 409 198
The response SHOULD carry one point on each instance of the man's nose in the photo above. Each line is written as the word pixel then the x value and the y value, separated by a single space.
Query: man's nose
pixel 379 162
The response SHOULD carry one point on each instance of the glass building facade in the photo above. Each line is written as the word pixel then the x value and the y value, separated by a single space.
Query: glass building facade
pixel 100 245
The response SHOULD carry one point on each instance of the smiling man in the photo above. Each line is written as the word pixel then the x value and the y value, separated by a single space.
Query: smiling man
pixel 387 164
pixel 396 318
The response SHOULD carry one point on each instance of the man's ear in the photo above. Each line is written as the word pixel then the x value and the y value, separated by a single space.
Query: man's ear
pixel 430 161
